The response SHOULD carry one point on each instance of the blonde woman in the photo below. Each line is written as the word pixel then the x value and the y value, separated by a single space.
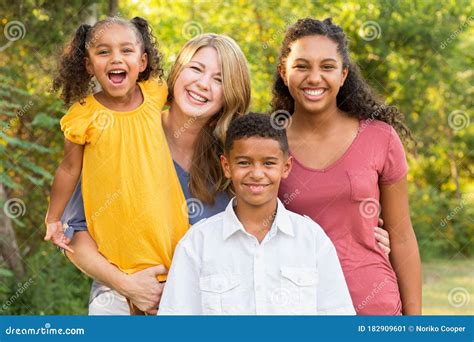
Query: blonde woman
pixel 208 85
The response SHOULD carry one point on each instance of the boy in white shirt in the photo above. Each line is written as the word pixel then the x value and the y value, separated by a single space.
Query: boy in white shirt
pixel 256 257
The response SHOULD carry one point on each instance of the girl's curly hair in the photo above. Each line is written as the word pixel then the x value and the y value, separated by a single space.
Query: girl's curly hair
pixel 74 80
pixel 355 97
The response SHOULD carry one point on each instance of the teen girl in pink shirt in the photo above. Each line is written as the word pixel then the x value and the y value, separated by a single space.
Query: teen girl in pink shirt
pixel 349 166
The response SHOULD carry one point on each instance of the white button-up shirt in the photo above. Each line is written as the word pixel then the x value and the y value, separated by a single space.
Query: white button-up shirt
pixel 218 269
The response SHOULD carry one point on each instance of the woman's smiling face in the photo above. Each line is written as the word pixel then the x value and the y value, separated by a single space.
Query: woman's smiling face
pixel 313 73
pixel 198 90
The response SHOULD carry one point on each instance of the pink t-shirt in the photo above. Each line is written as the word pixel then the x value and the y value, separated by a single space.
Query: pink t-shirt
pixel 344 200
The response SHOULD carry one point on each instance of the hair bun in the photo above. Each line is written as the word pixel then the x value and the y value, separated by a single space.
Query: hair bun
pixel 81 32
pixel 140 23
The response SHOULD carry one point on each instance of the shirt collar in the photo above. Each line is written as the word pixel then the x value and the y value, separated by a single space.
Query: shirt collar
pixel 232 224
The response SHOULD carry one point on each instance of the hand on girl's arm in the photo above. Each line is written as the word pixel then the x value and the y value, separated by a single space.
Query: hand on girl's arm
pixel 142 288
pixel 64 183
pixel 382 237
pixel 404 255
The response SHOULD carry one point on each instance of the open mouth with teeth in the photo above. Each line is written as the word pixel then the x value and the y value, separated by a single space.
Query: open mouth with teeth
pixel 314 93
pixel 256 188
pixel 197 97
pixel 117 76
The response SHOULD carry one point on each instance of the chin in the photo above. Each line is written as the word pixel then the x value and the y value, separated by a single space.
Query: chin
pixel 255 201
pixel 118 92
pixel 198 115
pixel 194 113
pixel 316 108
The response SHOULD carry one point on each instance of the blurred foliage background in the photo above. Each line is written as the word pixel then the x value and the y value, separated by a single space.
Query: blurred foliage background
pixel 417 54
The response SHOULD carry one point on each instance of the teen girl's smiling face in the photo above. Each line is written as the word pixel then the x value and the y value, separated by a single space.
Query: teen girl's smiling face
pixel 115 58
pixel 313 73
pixel 198 90
pixel 256 166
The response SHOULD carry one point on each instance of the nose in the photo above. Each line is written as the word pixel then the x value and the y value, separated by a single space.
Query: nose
pixel 257 172
pixel 314 76
pixel 203 82
pixel 116 57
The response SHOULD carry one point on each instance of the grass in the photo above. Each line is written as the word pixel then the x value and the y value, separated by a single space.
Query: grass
pixel 440 278
pixel 448 287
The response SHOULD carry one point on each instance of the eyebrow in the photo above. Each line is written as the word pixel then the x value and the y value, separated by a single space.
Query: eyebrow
pixel 107 45
pixel 248 157
pixel 324 60
pixel 329 60
pixel 203 66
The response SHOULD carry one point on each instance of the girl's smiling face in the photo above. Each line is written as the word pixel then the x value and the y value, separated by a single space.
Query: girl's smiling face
pixel 115 58
pixel 198 90
pixel 313 73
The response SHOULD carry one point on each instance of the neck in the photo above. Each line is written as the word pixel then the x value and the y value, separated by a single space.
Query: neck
pixel 257 220
pixel 130 101
pixel 181 132
pixel 319 123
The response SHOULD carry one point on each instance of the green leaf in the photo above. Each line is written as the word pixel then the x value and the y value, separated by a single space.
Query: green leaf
pixel 11 105
pixel 45 121
pixel 35 180
pixel 35 168
pixel 4 272
pixel 8 112
pixel 18 222
pixel 24 144
pixel 8 182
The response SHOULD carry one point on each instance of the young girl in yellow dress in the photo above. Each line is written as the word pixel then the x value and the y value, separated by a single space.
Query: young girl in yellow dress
pixel 134 205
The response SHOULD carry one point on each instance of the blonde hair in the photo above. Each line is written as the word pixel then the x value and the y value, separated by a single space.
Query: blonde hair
pixel 205 169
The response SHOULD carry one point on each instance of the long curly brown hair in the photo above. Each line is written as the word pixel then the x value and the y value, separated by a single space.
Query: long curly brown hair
pixel 74 80
pixel 355 97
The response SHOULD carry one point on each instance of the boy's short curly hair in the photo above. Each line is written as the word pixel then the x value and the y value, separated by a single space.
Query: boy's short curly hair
pixel 255 125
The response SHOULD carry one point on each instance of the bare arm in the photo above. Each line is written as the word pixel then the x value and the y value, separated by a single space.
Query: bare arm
pixel 65 180
pixel 142 288
pixel 64 183
pixel 404 255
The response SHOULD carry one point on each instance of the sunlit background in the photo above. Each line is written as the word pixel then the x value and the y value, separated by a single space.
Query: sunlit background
pixel 418 55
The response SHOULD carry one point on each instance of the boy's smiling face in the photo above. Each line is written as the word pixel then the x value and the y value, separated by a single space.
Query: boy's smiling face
pixel 256 166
